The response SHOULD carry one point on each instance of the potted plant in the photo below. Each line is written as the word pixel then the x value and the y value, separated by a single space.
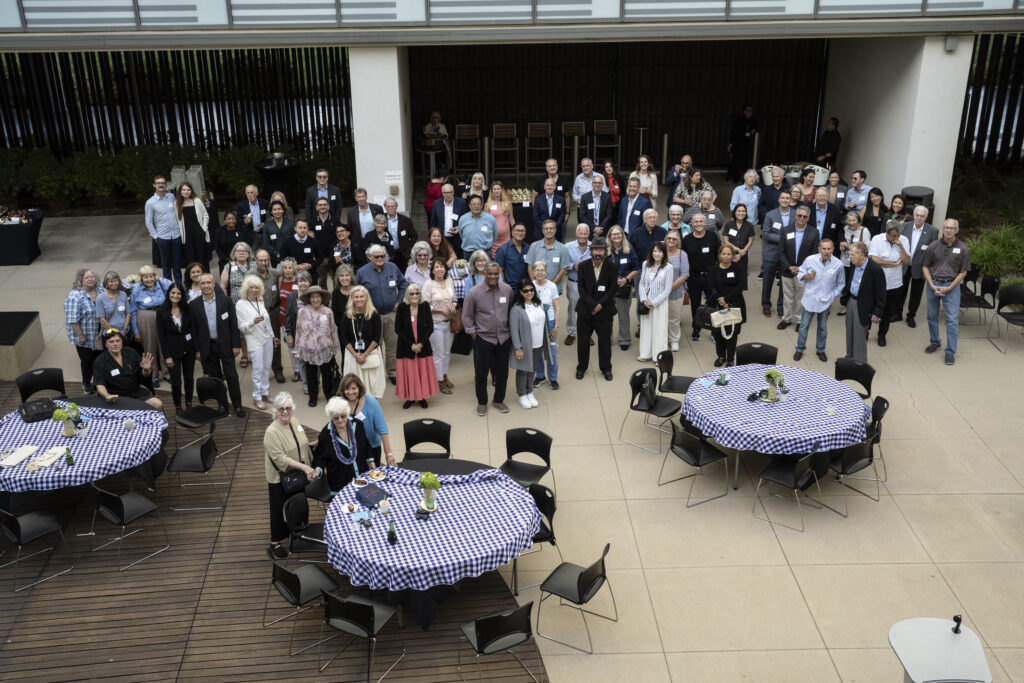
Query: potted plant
pixel 430 486
pixel 775 381
pixel 61 415
pixel 73 413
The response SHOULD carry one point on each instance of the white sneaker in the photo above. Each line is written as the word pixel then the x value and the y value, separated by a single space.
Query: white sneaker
pixel 532 399
pixel 674 346
pixel 525 403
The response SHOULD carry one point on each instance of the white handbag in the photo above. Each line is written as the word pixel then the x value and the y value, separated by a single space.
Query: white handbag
pixel 726 320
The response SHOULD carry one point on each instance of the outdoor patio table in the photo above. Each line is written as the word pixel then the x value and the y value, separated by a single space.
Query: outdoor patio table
pixel 106 449
pixel 817 409
pixel 483 520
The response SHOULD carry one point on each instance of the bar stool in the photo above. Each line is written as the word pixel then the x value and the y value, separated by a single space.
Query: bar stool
pixel 466 151
pixel 606 136
pixel 538 146
pixel 574 144
pixel 504 142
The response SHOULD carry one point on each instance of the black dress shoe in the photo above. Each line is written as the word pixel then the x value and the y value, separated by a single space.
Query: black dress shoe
pixel 822 357
pixel 423 404
pixel 405 406
pixel 624 347
pixel 393 380
pixel 312 402
pixel 910 321
pixel 278 376
pixel 881 340
pixel 579 374
pixel 608 375
pixel 719 362
pixel 782 325
pixel 240 411
pixel 797 355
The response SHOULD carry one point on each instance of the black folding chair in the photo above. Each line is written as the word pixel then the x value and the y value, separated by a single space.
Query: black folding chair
pixel 578 585
pixel 200 461
pixel 298 588
pixel 756 353
pixel 121 510
pixel 856 371
pixel 533 442
pixel 1011 295
pixel 879 408
pixel 851 460
pixel 544 498
pixel 645 400
pixel 359 617
pixel 41 379
pixel 796 474
pixel 695 453
pixel 498 631
pixel 427 431
pixel 303 536
pixel 22 530
pixel 667 382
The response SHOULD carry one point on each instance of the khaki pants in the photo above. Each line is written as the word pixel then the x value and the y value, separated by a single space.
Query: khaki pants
pixel 390 341
pixel 675 315
pixel 792 295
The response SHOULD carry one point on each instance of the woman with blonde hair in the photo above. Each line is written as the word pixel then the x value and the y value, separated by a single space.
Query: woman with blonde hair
pixel 500 206
pixel 361 338
pixel 417 378
pixel 627 267
pixel 147 296
pixel 194 223
pixel 477 186
pixel 254 324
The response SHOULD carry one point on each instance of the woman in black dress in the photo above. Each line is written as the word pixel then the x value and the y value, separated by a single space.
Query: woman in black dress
pixel 874 214
pixel 121 371
pixel 179 353
pixel 739 232
pixel 342 450
pixel 725 283
pixel 194 222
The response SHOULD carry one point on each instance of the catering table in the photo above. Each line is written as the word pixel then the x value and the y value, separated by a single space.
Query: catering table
pixel 483 521
pixel 106 449
pixel 443 466
pixel 790 426
pixel 21 240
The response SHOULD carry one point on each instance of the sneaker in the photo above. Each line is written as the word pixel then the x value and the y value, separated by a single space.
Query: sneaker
pixel 481 410
pixel 554 384
pixel 674 346
pixel 950 358
pixel 524 402
pixel 760 276
pixel 643 360
pixel 932 348
pixel 501 407
pixel 156 383
pixel 539 381
pixel 695 336
pixel 533 400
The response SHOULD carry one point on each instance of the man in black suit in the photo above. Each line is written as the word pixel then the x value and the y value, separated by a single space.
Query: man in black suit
pixel 595 208
pixel 214 330
pixel 825 217
pixel 322 189
pixel 549 205
pixel 919 233
pixel 400 226
pixel 596 308
pixel 799 241
pixel 865 284
pixel 360 216
pixel 252 212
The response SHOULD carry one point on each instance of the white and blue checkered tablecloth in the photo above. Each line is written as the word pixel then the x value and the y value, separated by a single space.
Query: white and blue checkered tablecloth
pixel 483 521
pixel 105 450
pixel 792 426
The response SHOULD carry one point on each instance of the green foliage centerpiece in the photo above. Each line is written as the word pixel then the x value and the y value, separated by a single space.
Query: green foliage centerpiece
pixel 67 415
pixel 775 380
pixel 430 485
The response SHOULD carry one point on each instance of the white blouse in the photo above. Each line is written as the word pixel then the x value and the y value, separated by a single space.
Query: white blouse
pixel 256 334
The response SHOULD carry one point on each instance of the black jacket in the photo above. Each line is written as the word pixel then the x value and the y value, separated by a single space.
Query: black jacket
pixel 371 331
pixel 173 343
pixel 586 215
pixel 227 326
pixel 403 328
pixel 808 246
pixel 591 292
pixel 304 252
pixel 333 199
pixel 833 227
pixel 352 219
pixel 871 297
pixel 338 473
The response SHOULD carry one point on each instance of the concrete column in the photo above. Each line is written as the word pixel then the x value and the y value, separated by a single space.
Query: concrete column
pixel 380 120
pixel 899 102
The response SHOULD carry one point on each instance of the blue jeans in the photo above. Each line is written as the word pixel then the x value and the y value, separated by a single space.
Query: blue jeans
pixel 771 269
pixel 552 364
pixel 951 305
pixel 170 258
pixel 805 327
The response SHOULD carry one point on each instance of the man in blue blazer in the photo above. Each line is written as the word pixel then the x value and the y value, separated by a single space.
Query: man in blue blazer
pixel 632 207
pixel 865 284
pixel 549 206
pixel 446 214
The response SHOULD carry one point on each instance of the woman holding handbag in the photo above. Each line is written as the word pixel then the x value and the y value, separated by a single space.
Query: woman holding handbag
pixel 417 378
pixel 439 294
pixel 725 283
pixel 653 292
pixel 361 339
pixel 287 465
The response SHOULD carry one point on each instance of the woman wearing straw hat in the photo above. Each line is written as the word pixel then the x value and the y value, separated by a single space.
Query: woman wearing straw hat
pixel 316 340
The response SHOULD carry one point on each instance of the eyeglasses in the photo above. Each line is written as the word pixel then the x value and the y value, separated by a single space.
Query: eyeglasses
pixel 322 175
pixel 377 256
pixel 284 409
pixel 414 293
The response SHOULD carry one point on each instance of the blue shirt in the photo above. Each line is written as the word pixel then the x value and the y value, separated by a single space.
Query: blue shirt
pixel 858 273
pixel 365 221
pixel 478 232
pixel 575 256
pixel 161 218
pixel 624 263
pixel 145 298
pixel 79 308
pixel 820 216
pixel 372 418
pixel 386 287
pixel 749 199
pixel 798 239
pixel 858 197
pixel 210 307
pixel 114 312
pixel 393 229
pixel 512 262
pixel 582 185
pixel 254 209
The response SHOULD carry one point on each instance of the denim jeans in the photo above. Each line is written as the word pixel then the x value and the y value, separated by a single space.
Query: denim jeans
pixel 951 305
pixel 170 258
pixel 552 365
pixel 805 327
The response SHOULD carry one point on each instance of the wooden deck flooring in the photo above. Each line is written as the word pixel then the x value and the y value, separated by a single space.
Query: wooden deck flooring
pixel 194 612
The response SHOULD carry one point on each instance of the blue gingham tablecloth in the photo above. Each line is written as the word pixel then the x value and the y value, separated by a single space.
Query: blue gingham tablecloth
pixel 790 426
pixel 483 521
pixel 105 450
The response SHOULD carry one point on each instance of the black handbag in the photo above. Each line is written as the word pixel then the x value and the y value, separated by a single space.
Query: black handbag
pixel 703 318
pixel 37 410
pixel 641 308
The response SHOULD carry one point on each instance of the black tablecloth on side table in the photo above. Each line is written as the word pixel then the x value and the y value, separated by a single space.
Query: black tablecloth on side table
pixel 20 241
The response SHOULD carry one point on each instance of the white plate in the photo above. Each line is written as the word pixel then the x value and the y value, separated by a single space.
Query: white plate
pixel 355 482
pixel 381 476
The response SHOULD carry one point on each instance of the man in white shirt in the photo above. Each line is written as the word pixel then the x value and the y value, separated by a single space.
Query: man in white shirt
pixel 891 250
pixel 823 278
pixel 584 181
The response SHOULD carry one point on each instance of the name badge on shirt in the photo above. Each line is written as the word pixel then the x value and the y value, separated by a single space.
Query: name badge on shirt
pixel 956 250
pixel 484 228
pixel 623 260
pixel 334 197
pixel 391 283
pixel 840 195
pixel 120 308
pixel 590 206
pixel 306 250
pixel 361 416
pixel 502 299
pixel 323 317
pixel 833 226
pixel 705 250
pixel 273 288
pixel 728 275
pixel 272 236
pixel 299 427
pixel 555 259
pixel 600 288
pixel 776 225
pixel 147 299
pixel 791 236
pixel 115 372
pixel 403 233
pixel 527 204
pixel 224 316
pixel 636 213
pixel 924 247
pixel 234 266
pixel 359 346
pixel 317 228
pixel 732 233
pixel 494 207
pixel 188 336
pixel 558 206
pixel 263 212
pixel 559 188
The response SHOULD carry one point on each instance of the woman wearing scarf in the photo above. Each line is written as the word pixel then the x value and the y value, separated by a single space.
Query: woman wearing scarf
pixel 342 447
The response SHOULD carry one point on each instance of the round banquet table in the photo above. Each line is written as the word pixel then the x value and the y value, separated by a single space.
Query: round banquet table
pixel 791 426
pixel 106 448
pixel 122 403
pixel 483 521
pixel 443 465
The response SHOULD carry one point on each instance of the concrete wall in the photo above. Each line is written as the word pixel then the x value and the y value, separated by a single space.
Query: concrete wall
pixel 380 120
pixel 899 101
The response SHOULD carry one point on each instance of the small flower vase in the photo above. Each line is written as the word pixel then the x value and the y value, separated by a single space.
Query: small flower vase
pixel 428 498
pixel 69 428
pixel 773 393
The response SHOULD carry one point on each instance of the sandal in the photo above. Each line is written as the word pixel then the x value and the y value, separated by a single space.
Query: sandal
pixel 443 388
pixel 243 362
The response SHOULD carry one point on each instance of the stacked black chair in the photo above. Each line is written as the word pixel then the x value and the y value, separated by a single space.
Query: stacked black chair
pixel 500 631
pixel 578 585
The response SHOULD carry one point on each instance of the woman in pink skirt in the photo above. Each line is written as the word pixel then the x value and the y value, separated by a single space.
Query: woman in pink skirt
pixel 417 380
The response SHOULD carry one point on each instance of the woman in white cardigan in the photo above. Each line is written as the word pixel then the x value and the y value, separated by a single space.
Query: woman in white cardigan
pixel 254 324
pixel 655 286
pixel 194 223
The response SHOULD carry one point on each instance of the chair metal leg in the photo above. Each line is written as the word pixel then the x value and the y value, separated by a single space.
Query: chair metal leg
pixel 878 488
pixel 266 602
pixel 822 504
pixel 18 558
pixel 216 492
pixel 321 641
pixel 700 470
pixel 583 613
pixel 1006 338
pixel 515 572
pixel 645 448
pixel 167 544
pixel 767 518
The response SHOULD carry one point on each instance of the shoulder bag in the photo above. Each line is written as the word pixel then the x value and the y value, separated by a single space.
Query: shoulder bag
pixel 726 320
pixel 292 481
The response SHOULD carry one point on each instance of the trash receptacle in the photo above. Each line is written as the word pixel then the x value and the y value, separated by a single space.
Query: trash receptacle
pixel 939 650
pixel 918 195
pixel 278 173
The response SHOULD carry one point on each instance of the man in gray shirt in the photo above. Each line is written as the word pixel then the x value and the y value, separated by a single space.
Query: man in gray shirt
pixel 485 316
